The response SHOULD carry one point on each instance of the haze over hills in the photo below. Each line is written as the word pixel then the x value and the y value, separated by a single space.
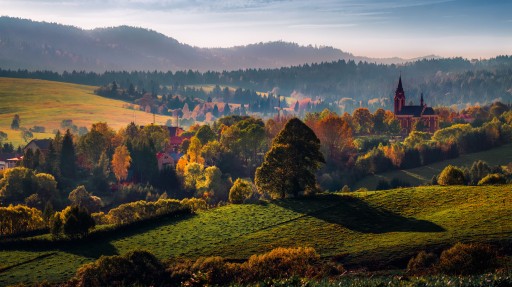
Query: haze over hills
pixel 26 44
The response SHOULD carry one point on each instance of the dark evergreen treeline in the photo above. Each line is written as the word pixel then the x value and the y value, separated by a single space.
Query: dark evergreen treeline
pixel 442 81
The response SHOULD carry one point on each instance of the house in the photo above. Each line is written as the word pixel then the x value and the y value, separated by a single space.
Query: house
pixel 409 116
pixel 9 160
pixel 43 145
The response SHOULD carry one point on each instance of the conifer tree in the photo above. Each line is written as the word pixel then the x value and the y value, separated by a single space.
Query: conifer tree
pixel 68 156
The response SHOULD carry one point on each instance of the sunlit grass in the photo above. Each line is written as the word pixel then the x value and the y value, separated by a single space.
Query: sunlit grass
pixel 418 176
pixel 386 226
pixel 47 103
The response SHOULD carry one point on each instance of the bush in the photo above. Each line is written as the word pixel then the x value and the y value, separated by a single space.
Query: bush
pixel 464 259
pixel 422 262
pixel 493 178
pixel 281 263
pixel 451 175
pixel 240 191
pixel 276 264
pixel 73 222
pixel 136 268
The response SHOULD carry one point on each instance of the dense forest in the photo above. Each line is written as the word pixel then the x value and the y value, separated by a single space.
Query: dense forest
pixel 342 85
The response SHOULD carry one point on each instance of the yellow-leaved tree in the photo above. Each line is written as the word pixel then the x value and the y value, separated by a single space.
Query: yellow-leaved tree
pixel 121 162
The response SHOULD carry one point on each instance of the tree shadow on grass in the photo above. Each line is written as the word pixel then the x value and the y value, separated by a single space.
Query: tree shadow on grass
pixel 357 215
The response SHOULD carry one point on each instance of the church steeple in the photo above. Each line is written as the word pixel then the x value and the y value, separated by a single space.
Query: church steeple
pixel 399 89
pixel 399 96
pixel 421 100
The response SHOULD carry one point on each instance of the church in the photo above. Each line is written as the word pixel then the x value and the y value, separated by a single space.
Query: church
pixel 408 116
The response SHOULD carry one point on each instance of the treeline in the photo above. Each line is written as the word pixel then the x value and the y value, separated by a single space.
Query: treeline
pixel 443 81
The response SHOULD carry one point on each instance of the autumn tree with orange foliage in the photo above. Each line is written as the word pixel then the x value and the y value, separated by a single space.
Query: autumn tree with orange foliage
pixel 121 162
pixel 335 136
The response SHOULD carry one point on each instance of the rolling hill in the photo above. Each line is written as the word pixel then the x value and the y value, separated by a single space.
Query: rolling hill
pixel 423 174
pixel 46 104
pixel 26 44
pixel 372 229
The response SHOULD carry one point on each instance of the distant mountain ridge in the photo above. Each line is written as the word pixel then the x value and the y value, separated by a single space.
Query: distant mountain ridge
pixel 26 44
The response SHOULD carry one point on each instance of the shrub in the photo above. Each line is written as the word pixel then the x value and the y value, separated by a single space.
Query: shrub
pixel 136 268
pixel 18 219
pixel 493 178
pixel 240 191
pixel 276 264
pixel 77 222
pixel 281 263
pixel 451 175
pixel 73 221
pixel 422 262
pixel 467 259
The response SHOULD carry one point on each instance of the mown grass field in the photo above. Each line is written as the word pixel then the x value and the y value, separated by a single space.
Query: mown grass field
pixel 366 228
pixel 47 103
pixel 421 175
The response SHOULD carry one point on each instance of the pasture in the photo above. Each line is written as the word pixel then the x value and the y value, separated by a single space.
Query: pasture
pixel 47 103
pixel 423 174
pixel 373 229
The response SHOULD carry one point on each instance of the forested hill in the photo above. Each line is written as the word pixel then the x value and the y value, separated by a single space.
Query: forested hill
pixel 442 81
pixel 34 45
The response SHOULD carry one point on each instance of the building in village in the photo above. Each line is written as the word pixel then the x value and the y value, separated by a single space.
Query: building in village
pixel 409 116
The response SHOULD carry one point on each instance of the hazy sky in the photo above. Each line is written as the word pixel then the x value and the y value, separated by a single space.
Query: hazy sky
pixel 376 28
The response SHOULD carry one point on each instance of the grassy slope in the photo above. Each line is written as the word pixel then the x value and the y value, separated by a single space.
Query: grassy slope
pixel 418 176
pixel 374 226
pixel 46 103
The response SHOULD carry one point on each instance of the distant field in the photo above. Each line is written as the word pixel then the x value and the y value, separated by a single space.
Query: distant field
pixel 420 175
pixel 46 103
pixel 363 228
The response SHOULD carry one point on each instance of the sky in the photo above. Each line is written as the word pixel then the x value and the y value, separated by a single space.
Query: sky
pixel 373 28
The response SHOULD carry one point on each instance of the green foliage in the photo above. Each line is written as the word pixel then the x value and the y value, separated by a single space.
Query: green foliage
pixel 205 134
pixel 451 175
pixel 75 222
pixel 18 219
pixel 17 184
pixel 416 137
pixel 140 210
pixel 135 268
pixel 240 191
pixel 83 199
pixel 289 166
pixel 493 178
pixel 466 259
pixel 67 156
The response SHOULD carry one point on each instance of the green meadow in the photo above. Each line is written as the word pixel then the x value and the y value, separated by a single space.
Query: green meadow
pixel 421 175
pixel 47 103
pixel 377 229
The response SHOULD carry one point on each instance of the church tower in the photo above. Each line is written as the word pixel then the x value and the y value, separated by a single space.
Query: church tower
pixel 399 97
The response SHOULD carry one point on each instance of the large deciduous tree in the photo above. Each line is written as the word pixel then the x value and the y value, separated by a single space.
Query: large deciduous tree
pixel 289 167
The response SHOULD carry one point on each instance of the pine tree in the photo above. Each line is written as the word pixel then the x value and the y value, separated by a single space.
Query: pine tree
pixel 68 156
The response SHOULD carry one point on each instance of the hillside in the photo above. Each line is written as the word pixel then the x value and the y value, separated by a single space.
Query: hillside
pixel 370 229
pixel 46 103
pixel 423 174
pixel 26 44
